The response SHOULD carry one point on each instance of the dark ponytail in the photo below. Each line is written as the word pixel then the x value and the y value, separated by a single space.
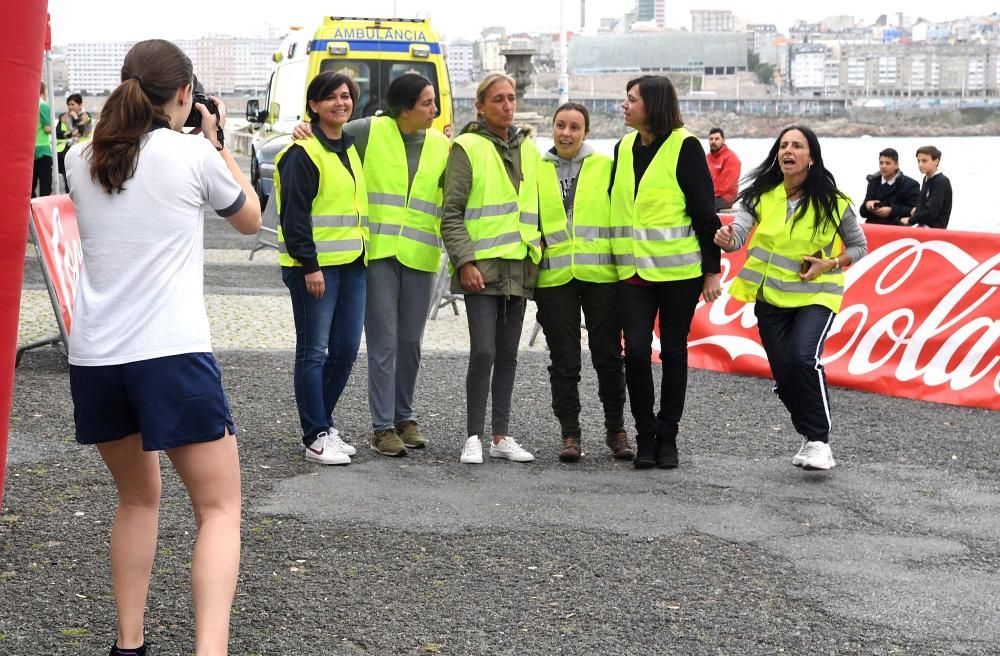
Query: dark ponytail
pixel 152 73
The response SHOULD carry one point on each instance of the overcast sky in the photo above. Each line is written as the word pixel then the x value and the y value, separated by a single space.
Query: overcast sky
pixel 113 20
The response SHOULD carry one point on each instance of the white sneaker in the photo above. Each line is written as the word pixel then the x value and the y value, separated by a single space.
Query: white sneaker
pixel 818 456
pixel 472 452
pixel 511 450
pixel 325 454
pixel 334 441
pixel 800 457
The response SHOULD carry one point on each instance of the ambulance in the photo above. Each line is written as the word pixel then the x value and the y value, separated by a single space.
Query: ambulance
pixel 373 51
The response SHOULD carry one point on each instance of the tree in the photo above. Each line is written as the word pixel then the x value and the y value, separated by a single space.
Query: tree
pixel 765 73
pixel 753 60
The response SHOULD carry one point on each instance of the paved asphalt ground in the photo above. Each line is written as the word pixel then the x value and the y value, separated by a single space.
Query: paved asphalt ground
pixel 896 551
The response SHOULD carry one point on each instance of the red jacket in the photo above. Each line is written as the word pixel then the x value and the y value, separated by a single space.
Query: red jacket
pixel 725 168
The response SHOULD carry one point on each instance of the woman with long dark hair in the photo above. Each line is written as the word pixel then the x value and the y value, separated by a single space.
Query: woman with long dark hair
pixel 322 248
pixel 806 232
pixel 142 374
pixel 663 221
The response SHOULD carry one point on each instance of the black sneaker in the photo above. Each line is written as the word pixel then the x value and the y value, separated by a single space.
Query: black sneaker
pixel 138 651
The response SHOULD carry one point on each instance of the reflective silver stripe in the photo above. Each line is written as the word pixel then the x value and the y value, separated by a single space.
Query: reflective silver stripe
pixel 804 287
pixel 668 261
pixel 751 276
pixel 593 258
pixel 490 210
pixel 423 237
pixel 592 232
pixel 425 207
pixel 329 246
pixel 529 218
pixel 779 261
pixel 392 200
pixel 336 220
pixel 339 246
pixel 537 243
pixel 493 242
pixel 556 262
pixel 624 259
pixel 618 232
pixel 364 221
pixel 556 238
pixel 379 228
pixel 662 234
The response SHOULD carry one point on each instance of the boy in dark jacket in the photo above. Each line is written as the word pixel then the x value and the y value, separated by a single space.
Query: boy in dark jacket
pixel 891 195
pixel 934 208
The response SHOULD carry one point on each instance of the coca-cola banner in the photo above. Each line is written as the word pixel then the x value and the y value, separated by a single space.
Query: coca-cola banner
pixel 920 319
pixel 58 240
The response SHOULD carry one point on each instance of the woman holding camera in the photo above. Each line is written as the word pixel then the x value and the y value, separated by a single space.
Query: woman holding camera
pixel 663 221
pixel 806 232
pixel 322 247
pixel 142 374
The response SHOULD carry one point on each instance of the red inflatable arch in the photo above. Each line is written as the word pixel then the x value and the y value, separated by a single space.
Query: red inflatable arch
pixel 22 35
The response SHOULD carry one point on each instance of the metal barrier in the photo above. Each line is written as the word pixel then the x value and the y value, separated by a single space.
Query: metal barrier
pixel 442 291
pixel 268 226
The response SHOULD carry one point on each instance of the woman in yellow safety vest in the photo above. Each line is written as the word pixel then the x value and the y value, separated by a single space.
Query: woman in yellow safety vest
pixel 805 233
pixel 404 160
pixel 322 249
pixel 578 273
pixel 663 221
pixel 489 224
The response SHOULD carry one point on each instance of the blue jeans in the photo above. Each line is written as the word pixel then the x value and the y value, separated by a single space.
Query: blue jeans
pixel 327 337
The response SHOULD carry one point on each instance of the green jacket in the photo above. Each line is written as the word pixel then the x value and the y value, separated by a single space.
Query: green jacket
pixel 502 277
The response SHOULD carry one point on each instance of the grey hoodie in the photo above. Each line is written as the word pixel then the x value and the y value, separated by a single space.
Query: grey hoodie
pixel 567 171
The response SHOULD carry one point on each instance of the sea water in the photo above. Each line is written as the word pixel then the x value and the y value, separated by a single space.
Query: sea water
pixel 971 163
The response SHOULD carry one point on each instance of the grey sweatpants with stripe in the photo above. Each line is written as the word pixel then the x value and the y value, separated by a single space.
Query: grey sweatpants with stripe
pixel 395 316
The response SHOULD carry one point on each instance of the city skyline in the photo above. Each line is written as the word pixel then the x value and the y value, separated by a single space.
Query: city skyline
pixel 188 19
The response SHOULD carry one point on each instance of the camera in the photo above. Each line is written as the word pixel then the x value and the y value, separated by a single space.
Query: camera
pixel 194 118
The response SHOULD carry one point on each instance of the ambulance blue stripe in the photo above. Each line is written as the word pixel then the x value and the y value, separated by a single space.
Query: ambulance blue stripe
pixel 375 46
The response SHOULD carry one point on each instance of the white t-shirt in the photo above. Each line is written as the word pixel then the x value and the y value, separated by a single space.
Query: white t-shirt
pixel 140 294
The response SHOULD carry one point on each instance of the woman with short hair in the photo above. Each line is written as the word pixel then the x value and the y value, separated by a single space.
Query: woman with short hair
pixel 663 221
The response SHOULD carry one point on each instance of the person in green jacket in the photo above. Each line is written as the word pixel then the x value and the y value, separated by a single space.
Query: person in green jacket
pixel 41 177
pixel 578 273
pixel 489 225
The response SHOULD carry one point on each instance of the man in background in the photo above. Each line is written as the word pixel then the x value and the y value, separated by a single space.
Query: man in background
pixel 724 166
pixel 891 196
pixel 72 127
pixel 41 176
pixel 934 207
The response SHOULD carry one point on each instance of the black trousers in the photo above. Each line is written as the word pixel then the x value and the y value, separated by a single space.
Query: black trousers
pixel 559 314
pixel 793 339
pixel 41 176
pixel 675 301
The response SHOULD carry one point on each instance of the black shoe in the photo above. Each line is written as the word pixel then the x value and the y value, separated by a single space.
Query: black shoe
pixel 645 453
pixel 138 651
pixel 666 452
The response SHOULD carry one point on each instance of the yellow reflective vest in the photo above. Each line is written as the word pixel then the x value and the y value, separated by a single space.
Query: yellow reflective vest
pixel 339 211
pixel 651 232
pixel 404 224
pixel 775 252
pixel 501 221
pixel 581 250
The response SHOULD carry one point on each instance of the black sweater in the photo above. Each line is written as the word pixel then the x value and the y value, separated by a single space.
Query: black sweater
pixel 299 187
pixel 695 181
pixel 902 196
pixel 934 208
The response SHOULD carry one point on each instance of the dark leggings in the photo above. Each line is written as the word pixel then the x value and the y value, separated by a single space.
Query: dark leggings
pixel 675 301
pixel 494 336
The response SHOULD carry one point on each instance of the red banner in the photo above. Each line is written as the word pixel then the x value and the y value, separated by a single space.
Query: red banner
pixel 54 220
pixel 920 319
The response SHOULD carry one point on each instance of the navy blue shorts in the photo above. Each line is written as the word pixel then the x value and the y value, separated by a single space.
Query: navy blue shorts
pixel 172 401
